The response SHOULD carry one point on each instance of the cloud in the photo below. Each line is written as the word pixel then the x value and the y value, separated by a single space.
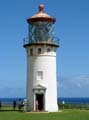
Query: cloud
pixel 73 86
pixel 79 85
pixel 70 86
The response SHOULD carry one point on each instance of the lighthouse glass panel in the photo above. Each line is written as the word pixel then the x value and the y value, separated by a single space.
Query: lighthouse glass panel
pixel 41 31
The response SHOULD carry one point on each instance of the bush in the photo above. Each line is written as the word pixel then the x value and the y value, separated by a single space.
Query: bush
pixel 73 106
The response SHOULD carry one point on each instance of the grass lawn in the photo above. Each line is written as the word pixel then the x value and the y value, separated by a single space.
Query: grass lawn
pixel 64 115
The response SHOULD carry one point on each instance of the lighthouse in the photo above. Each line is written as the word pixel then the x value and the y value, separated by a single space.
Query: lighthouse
pixel 41 46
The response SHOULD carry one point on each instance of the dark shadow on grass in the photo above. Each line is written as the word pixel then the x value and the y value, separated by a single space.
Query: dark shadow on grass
pixel 11 110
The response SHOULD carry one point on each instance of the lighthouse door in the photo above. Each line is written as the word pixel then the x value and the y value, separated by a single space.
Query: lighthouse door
pixel 40 99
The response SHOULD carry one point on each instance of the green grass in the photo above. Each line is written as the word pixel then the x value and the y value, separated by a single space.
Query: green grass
pixel 64 115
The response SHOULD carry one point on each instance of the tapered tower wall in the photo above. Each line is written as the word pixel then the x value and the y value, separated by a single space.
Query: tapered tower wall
pixel 45 62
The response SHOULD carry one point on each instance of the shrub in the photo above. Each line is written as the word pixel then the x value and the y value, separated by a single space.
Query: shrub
pixel 73 106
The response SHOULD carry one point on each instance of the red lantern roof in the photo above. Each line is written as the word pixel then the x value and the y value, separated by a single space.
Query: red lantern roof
pixel 41 16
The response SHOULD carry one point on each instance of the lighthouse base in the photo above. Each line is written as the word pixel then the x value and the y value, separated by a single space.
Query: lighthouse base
pixel 52 108
pixel 42 107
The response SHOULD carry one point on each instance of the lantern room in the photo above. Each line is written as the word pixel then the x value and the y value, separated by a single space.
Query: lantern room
pixel 41 28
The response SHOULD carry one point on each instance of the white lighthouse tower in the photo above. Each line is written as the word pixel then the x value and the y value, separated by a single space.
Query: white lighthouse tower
pixel 41 63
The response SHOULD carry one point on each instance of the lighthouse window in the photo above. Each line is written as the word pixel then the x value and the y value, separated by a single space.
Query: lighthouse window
pixel 39 75
pixel 39 50
pixel 31 52
pixel 48 50
pixel 54 49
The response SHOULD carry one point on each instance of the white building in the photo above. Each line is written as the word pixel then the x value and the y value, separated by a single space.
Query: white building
pixel 41 63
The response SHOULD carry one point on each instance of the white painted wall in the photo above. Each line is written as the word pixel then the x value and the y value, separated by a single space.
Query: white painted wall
pixel 45 62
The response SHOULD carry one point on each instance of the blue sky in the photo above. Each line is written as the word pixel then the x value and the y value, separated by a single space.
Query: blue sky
pixel 72 27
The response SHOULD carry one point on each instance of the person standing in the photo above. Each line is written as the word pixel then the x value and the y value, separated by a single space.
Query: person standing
pixel 14 104
pixel 0 105
pixel 25 105
pixel 36 105
pixel 19 104
pixel 63 103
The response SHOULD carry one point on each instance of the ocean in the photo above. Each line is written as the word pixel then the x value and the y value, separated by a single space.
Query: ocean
pixel 75 100
pixel 9 101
